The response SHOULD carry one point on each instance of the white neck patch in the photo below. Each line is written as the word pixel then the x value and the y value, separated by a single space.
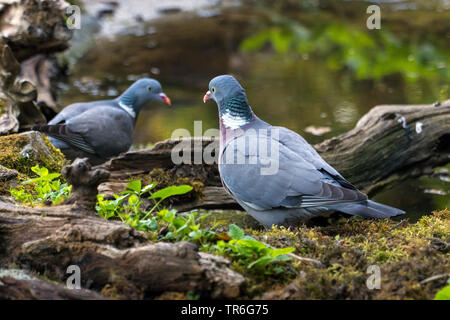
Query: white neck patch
pixel 233 121
pixel 128 109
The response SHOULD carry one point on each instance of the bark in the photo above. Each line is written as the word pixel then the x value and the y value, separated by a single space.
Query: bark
pixel 34 26
pixel 84 182
pixel 113 258
pixel 29 28
pixel 16 95
pixel 377 152
pixel 36 289
pixel 43 71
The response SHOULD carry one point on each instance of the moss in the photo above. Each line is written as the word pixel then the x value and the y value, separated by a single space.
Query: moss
pixel 23 151
pixel 171 295
pixel 12 183
pixel 2 106
pixel 406 254
pixel 225 217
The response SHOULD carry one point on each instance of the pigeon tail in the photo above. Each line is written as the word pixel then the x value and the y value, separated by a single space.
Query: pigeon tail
pixel 369 209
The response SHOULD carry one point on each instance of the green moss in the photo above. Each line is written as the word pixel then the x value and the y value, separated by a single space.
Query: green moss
pixel 2 106
pixel 12 183
pixel 406 254
pixel 23 151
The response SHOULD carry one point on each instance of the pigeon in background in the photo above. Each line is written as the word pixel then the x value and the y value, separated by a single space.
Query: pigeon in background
pixel 103 129
pixel 273 173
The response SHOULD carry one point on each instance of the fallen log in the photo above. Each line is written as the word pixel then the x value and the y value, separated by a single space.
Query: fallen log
pixel 37 289
pixel 114 259
pixel 388 144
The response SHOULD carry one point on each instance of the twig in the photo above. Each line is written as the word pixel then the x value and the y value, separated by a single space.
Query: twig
pixel 401 223
pixel 436 277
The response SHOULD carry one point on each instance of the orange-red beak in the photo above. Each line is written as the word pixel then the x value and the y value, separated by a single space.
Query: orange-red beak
pixel 207 96
pixel 165 98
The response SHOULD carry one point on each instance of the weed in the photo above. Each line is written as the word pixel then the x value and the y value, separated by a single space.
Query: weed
pixel 46 187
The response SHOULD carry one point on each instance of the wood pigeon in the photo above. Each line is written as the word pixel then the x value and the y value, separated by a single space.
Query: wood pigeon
pixel 273 173
pixel 103 129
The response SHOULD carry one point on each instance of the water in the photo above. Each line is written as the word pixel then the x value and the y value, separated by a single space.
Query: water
pixel 328 88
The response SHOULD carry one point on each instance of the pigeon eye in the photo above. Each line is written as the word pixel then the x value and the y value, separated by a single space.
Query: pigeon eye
pixel 149 88
pixel 213 90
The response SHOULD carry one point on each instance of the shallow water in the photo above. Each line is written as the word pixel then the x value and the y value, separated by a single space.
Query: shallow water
pixel 326 90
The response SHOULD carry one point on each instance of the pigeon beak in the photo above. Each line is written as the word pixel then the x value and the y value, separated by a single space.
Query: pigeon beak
pixel 165 98
pixel 207 96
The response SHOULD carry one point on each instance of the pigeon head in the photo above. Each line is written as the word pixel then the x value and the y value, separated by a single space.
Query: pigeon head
pixel 139 93
pixel 231 99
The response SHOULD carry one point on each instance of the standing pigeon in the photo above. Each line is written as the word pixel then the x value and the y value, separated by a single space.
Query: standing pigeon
pixel 102 129
pixel 273 173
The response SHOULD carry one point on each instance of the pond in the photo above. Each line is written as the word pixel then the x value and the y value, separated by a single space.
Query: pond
pixel 311 66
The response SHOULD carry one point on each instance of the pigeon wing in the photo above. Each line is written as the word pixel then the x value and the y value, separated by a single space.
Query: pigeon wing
pixel 109 130
pixel 72 111
pixel 63 133
pixel 297 183
pixel 299 145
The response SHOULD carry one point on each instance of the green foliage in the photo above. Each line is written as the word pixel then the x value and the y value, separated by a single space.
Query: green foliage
pixel 444 293
pixel 46 187
pixel 248 251
pixel 173 226
pixel 186 227
pixel 131 213
pixel 371 55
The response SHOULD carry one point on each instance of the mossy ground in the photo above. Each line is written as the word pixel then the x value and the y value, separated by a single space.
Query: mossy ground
pixel 406 254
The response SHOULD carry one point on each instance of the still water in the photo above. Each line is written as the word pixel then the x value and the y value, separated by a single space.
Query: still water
pixel 315 69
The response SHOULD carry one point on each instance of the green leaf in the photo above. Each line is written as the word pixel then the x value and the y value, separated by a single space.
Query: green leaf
pixel 443 294
pixel 135 186
pixel 261 262
pixel 277 252
pixel 133 200
pixel 235 232
pixel 52 176
pixel 170 191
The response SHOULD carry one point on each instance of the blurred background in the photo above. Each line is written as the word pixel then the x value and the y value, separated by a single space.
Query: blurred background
pixel 309 65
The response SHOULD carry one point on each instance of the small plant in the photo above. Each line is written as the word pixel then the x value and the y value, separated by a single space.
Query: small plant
pixel 251 252
pixel 187 227
pixel 131 213
pixel 173 226
pixel 46 188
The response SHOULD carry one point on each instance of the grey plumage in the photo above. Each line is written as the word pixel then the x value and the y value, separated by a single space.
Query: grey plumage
pixel 100 130
pixel 303 186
